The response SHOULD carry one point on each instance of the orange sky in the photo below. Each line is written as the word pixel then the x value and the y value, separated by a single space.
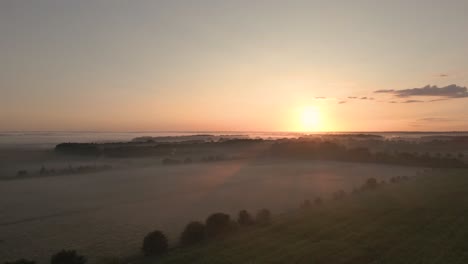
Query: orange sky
pixel 233 65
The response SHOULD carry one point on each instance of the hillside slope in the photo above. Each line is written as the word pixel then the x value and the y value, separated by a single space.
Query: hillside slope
pixel 423 220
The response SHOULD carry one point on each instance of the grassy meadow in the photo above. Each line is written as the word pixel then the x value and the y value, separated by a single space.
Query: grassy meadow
pixel 422 220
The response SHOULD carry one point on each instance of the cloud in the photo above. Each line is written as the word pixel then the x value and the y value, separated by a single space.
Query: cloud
pixel 436 119
pixel 342 102
pixel 449 91
pixel 412 101
pixel 384 91
pixel 352 97
pixel 443 75
pixel 320 97
pixel 436 100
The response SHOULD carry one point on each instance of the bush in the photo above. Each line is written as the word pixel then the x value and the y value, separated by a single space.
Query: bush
pixel 318 201
pixel 395 179
pixel 339 195
pixel 263 217
pixel 305 205
pixel 21 261
pixel 370 184
pixel 155 244
pixel 245 219
pixel 168 161
pixel 193 233
pixel 67 257
pixel 218 224
pixel 22 173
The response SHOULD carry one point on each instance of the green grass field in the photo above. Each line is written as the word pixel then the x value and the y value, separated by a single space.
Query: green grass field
pixel 423 220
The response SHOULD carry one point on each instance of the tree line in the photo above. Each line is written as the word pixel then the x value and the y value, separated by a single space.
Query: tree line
pixel 216 225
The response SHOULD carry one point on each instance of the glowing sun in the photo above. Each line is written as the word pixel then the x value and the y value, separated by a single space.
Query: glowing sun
pixel 310 119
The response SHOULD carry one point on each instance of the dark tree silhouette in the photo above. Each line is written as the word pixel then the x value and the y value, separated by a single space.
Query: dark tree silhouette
pixel 155 244
pixel 21 261
pixel 245 219
pixel 43 170
pixel 370 184
pixel 218 224
pixel 318 201
pixel 306 204
pixel 263 217
pixel 339 195
pixel 67 257
pixel 22 173
pixel 193 233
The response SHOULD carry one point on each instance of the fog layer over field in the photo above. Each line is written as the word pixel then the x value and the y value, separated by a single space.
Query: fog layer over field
pixel 108 213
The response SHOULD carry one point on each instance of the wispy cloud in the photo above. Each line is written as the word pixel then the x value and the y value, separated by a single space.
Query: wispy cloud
pixel 436 119
pixel 342 102
pixel 449 91
pixel 412 101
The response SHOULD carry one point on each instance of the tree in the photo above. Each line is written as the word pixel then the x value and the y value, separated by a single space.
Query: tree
pixel 306 204
pixel 370 184
pixel 245 219
pixel 217 224
pixel 21 261
pixel 193 233
pixel 263 217
pixel 339 195
pixel 155 244
pixel 318 201
pixel 67 257
pixel 22 173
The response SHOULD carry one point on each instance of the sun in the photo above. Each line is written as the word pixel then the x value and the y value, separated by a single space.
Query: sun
pixel 310 119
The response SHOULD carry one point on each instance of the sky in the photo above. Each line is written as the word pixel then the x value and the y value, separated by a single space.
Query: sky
pixel 199 65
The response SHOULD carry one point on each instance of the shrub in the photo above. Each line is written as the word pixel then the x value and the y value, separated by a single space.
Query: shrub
pixel 318 201
pixel 67 257
pixel 21 261
pixel 245 219
pixel 339 195
pixel 217 224
pixel 306 204
pixel 168 161
pixel 370 184
pixel 155 244
pixel 263 217
pixel 395 179
pixel 22 173
pixel 193 233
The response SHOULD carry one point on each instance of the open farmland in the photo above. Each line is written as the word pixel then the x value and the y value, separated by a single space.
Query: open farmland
pixel 108 213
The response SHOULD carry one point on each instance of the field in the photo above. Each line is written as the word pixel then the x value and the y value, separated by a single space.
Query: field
pixel 108 213
pixel 422 220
